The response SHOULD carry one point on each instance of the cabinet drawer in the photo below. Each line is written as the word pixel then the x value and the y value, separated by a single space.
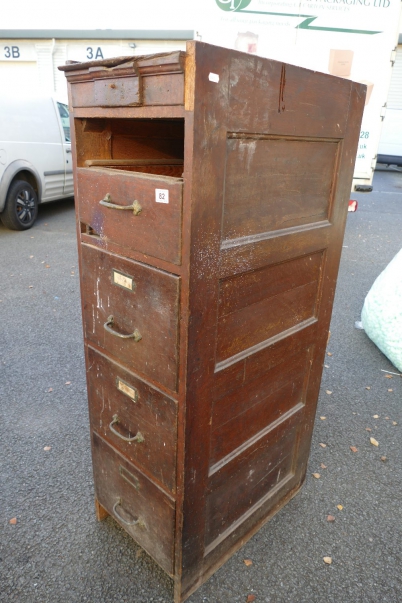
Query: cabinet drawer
pixel 131 311
pixel 122 407
pixel 128 81
pixel 136 503
pixel 154 231
pixel 111 92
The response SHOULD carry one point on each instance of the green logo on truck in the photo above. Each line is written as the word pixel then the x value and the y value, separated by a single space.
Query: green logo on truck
pixel 239 6
pixel 232 5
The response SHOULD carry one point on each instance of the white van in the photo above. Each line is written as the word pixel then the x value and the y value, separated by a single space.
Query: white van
pixel 35 157
pixel 390 148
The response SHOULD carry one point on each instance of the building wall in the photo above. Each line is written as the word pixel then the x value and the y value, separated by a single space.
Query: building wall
pixel 31 65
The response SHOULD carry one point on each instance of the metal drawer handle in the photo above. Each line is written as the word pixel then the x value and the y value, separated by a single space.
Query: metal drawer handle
pixel 137 438
pixel 107 202
pixel 137 522
pixel 109 323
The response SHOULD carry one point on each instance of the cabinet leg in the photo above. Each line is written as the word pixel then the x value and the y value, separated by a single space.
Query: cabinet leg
pixel 100 511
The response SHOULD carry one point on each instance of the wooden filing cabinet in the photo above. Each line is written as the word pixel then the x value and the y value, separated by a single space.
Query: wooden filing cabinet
pixel 212 189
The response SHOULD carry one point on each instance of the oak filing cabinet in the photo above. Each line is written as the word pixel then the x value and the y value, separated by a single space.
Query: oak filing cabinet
pixel 212 189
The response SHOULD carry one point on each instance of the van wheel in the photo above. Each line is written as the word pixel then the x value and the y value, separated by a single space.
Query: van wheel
pixel 21 207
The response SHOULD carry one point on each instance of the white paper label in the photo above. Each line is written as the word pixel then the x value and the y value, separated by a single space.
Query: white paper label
pixel 213 77
pixel 122 280
pixel 126 389
pixel 161 195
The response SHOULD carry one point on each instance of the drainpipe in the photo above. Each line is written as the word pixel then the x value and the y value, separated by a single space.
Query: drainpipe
pixel 53 67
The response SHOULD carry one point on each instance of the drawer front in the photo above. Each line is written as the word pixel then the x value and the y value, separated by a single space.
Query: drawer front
pixel 152 226
pixel 131 311
pixel 136 503
pixel 128 81
pixel 129 92
pixel 112 92
pixel 122 407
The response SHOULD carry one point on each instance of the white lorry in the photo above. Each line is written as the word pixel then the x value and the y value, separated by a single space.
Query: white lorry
pixel 35 157
pixel 353 39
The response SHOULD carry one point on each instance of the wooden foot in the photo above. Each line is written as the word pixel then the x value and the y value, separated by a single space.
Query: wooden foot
pixel 100 511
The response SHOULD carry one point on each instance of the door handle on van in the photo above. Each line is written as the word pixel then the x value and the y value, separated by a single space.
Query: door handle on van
pixel 68 150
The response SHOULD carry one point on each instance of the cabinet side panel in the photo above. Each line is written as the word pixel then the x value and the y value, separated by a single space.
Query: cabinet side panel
pixel 266 237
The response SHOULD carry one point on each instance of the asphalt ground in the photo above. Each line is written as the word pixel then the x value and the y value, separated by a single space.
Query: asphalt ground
pixel 57 552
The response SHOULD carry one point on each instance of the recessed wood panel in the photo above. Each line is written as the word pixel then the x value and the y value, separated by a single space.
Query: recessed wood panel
pixel 259 305
pixel 240 484
pixel 276 183
pixel 258 403
pixel 225 438
pixel 251 367
pixel 253 287
pixel 257 388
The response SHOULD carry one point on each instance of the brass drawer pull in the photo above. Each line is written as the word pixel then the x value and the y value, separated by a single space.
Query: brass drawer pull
pixel 108 324
pixel 137 522
pixel 107 202
pixel 137 438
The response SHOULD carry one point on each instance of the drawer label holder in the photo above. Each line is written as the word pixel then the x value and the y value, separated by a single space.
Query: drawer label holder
pixel 127 282
pixel 126 389
pixel 129 477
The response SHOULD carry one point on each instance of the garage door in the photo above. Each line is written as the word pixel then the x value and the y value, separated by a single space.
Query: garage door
pixel 18 75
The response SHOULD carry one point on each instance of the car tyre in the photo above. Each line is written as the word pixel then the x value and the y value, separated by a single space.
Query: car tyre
pixel 21 207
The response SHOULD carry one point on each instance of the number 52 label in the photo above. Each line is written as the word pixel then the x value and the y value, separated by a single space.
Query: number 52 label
pixel 161 195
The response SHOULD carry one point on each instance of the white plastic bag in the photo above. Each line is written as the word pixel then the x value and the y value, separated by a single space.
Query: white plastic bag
pixel 382 311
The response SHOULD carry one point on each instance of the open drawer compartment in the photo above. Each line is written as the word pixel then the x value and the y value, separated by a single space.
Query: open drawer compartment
pixel 129 180
pixel 131 211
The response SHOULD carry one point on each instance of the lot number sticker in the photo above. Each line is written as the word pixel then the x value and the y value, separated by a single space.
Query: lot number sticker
pixel 161 195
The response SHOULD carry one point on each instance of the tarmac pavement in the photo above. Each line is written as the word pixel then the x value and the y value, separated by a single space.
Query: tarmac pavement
pixel 58 553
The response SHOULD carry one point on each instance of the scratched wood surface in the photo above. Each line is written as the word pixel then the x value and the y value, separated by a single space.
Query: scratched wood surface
pixel 140 298
pixel 235 280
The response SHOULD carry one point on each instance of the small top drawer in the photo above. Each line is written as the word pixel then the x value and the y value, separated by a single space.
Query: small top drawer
pixel 134 211
pixel 128 81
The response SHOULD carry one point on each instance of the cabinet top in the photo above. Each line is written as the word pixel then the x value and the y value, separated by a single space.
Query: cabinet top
pixel 152 64
pixel 269 90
